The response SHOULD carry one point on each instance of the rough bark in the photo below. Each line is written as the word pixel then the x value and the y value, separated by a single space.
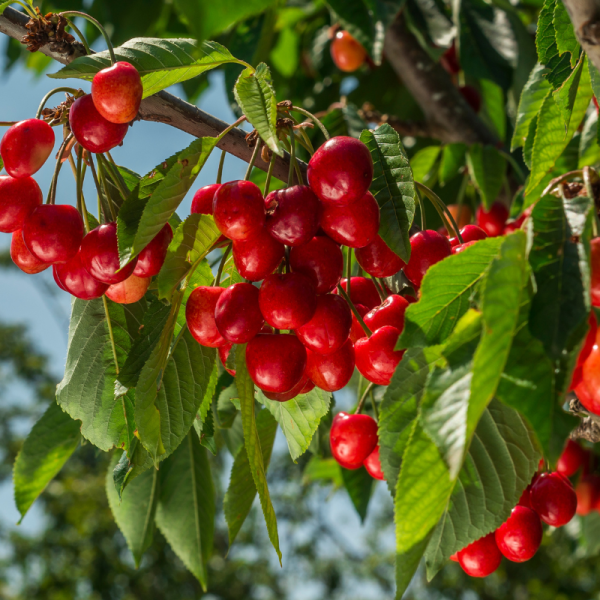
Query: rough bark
pixel 585 16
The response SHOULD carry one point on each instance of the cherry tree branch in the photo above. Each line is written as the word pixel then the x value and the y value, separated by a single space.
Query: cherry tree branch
pixel 585 16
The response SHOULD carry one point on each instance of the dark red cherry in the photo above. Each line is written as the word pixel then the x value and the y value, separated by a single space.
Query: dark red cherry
pixel 26 146
pixel 224 351
pixel 258 256
pixel 373 465
pixel 481 558
pixel 362 291
pixel 237 313
pixel 427 248
pixel 494 220
pixel 449 60
pixel 331 372
pixel 200 316
pixel 293 215
pixel 376 358
pixel 117 92
pixel 321 260
pixel 462 247
pixel 133 289
pixel 553 499
pixel 352 439
pixel 73 278
pixel 347 52
pixel 354 225
pixel 53 232
pixel 521 535
pixel 100 255
pixel 390 312
pixel 202 203
pixel 588 494
pixel 584 353
pixel 573 458
pixel 469 233
pixel 595 268
pixel 341 170
pixel 91 129
pixel 329 327
pixel 378 260
pixel 18 199
pixel 356 331
pixel 525 499
pixel 472 96
pixel 276 362
pixel 21 256
pixel 295 391
pixel 151 258
pixel 239 210
pixel 287 301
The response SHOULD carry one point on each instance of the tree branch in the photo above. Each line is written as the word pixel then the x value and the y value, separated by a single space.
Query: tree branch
pixel 585 16
pixel 162 107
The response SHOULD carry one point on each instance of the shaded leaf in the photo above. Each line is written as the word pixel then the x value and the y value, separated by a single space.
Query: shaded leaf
pixel 566 40
pixel 487 168
pixel 565 95
pixel 423 163
pixel 324 470
pixel 359 485
pixel 453 159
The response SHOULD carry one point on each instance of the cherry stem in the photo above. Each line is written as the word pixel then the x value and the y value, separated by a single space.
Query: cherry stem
pixel 380 289
pixel 80 175
pixel 222 264
pixel 348 271
pixel 269 175
pixel 77 13
pixel 53 184
pixel 221 164
pixel 51 93
pixel 110 170
pixel 8 123
pixel 79 35
pixel 228 129
pixel 440 207
pixel 342 292
pixel 101 205
pixel 27 9
pixel 421 210
pixel 361 402
pixel 564 177
pixel 102 175
pixel 110 333
pixel 117 173
pixel 375 409
pixel 252 160
pixel 320 125
pixel 292 158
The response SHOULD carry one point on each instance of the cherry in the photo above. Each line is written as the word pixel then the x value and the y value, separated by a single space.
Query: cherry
pixel 100 255
pixel 469 233
pixel 481 558
pixel 341 170
pixel 449 60
pixel 21 256
pixel 73 278
pixel 588 390
pixel 331 372
pixel 525 499
pixel 287 301
pixel 588 494
pixel 458 249
pixel 461 213
pixel 553 498
pixel 276 362
pixel 237 313
pixel 57 280
pixel 18 199
pixel 354 225
pixel 293 215
pixel 298 389
pixel 53 232
pixel 239 210
pixel 225 349
pixel 427 248
pixel 472 96
pixel 151 258
pixel 202 203
pixel 573 458
pixel 390 312
pixel 376 358
pixel 347 52
pixel 454 557
pixel 378 260
pixel 200 316
pixel 595 268
pixel 521 535
pixel 321 260
pixel 329 328
pixel 26 146
pixel 91 129
pixel 129 291
pixel 362 291
pixel 494 220
pixel 117 92
pixel 356 331
pixel 373 465
pixel 258 256
pixel 516 224
pixel 352 439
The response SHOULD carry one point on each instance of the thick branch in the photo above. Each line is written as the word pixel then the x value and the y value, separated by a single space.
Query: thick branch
pixel 585 16
pixel 162 107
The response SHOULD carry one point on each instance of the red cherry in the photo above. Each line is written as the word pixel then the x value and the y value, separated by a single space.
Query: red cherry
pixel 362 291
pixel 469 233
pixel 588 494
pixel 21 256
pixel 521 535
pixel 390 312
pixel 224 351
pixel 200 316
pixel 494 220
pixel 287 301
pixel 514 225
pixel 18 199
pixel 449 60
pixel 458 249
pixel 237 313
pixel 525 499
pixel 293 215
pixel 53 232
pixel 276 362
pixel 57 280
pixel 352 439
pixel 378 260
pixel 595 268
pixel 376 358
pixel 373 465
pixel 258 256
pixel 91 129
pixel 472 96
pixel 129 291
pixel 573 458
pixel 356 331
pixel 481 558
pixel 354 225
pixel 588 390
pixel 329 328
pixel 553 499
pixel 73 278
pixel 596 104
pixel 321 260
pixel 295 391
pixel 454 557
pixel 331 372
pixel 427 248
pixel 151 258
pixel 26 146
pixel 239 210
pixel 347 52
pixel 117 92
pixel 202 203
pixel 341 170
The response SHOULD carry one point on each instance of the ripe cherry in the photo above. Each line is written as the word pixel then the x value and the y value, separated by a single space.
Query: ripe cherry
pixel 573 458
pixel 331 372
pixel 516 224
pixel 449 60
pixel 53 232
pixel 225 349
pixel 461 247
pixel 21 256
pixel 239 210
pixel 494 220
pixel 73 278
pixel 91 129
pixel 151 258
pixel 362 291
pixel 521 535
pixel 129 291
pixel 373 465
pixel 287 301
pixel 469 233
pixel 258 256
pixel 525 499
pixel 117 92
pixel 427 248
pixel 588 494
pixel 304 384
pixel 293 215
pixel 481 558
pixel 376 358
pixel 553 498
pixel 347 52
pixel 461 213
pixel 202 203
pixel 18 199
pixel 588 390
pixel 321 260
pixel 595 269
pixel 276 362
pixel 200 316
pixel 390 312
pixel 356 331
pixel 472 96
pixel 26 146
pixel 341 170
pixel 352 439
pixel 378 260
pixel 237 313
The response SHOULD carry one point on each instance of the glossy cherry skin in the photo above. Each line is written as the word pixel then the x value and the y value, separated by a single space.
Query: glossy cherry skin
pixel 293 215
pixel 354 225
pixel 19 197
pixel 237 313
pixel 329 328
pixel 588 391
pixel 586 350
pixel 352 439
pixel 225 349
pixel 299 388
pixel 239 210
pixel 21 256
pixel 595 268
pixel 449 60
pixel 258 256
pixel 91 129
pixel 573 458
pixel 462 247
pixel 427 248
pixel 588 494
pixel 521 535
pixel 202 203
pixel 26 146
pixel 472 96
pixel 200 316
pixel 53 233
pixel 553 498
pixel 321 260
pixel 276 362
pixel 362 291
pixel 73 278
pixel 376 358
pixel 117 92
pixel 151 258
pixel 494 220
pixel 525 499
pixel 331 372
pixel 287 301
pixel 481 558
pixel 356 331
pixel 341 170
pixel 373 465
pixel 129 291
pixel 378 260
pixel 347 52
pixel 389 312
pixel 469 233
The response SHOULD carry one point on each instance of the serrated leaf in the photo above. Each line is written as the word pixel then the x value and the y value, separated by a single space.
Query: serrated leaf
pixel 487 167
pixel 528 147
pixel 359 485
pixel 545 38
pixel 565 95
pixel 453 159
pixel 566 40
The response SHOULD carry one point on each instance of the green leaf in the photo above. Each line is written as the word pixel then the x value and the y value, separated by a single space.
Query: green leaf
pixel 423 165
pixel 565 95
pixel 590 534
pixel 359 485
pixel 528 147
pixel 46 449
pixel 545 39
pixel 487 167
pixel 566 40
pixel 453 159
pixel 392 187
pixel 589 149
pixel 324 470
pixel 494 105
